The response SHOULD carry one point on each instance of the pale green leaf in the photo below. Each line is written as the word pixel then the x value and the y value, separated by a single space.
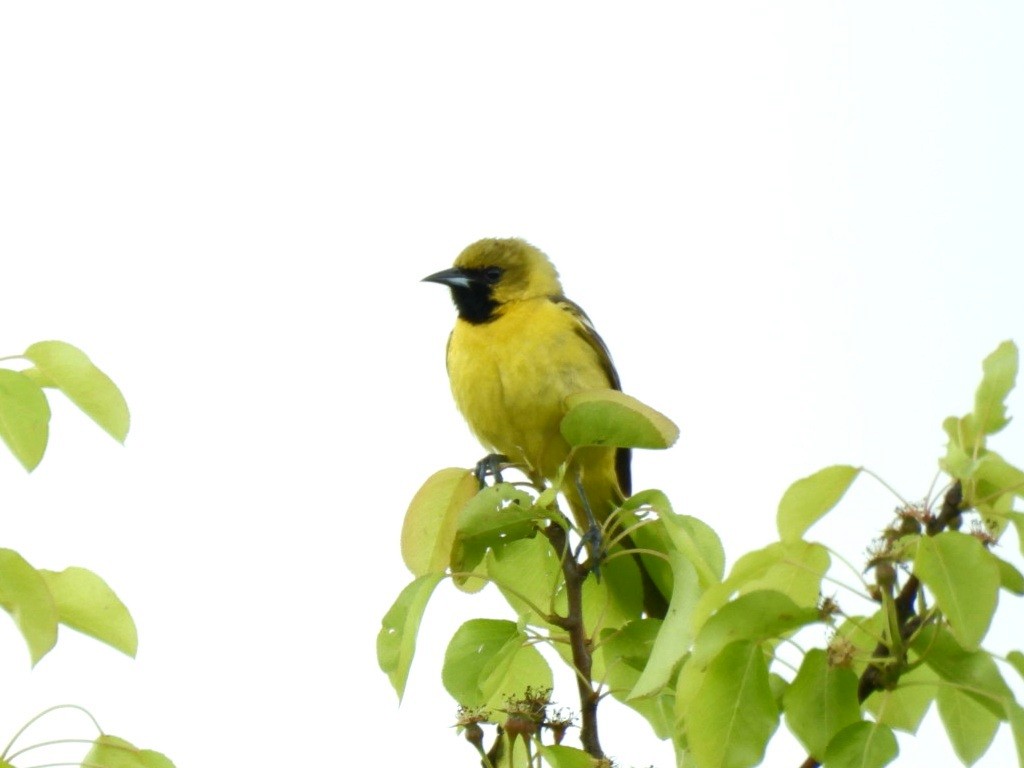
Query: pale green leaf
pixel 996 476
pixel 795 572
pixel 1015 714
pixel 625 654
pixel 490 659
pixel 970 726
pixel 779 686
pixel 68 368
pixel 1016 659
pixel 526 570
pixel 24 418
pixel 974 671
pixel 691 536
pixel 820 702
pixel 676 634
pixel 612 601
pixel 809 499
pixel 24 595
pixel 428 530
pixel 1017 518
pixel 755 616
pixel 396 641
pixel 496 514
pixel 794 569
pixel 85 603
pixel 959 459
pixel 1000 373
pixel 904 707
pixel 1010 578
pixel 862 745
pixel 495 511
pixel 111 752
pixel 737 713
pixel 517 669
pixel 559 756
pixel 964 578
pixel 612 418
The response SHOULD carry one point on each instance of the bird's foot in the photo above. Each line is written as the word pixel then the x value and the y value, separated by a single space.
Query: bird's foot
pixel 491 465
pixel 593 539
pixel 593 542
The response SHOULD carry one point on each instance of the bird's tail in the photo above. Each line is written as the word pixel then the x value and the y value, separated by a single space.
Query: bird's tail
pixel 602 495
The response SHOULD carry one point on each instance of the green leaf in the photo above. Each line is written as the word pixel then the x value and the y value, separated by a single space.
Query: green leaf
pixel 691 536
pixel 614 600
pixel 625 654
pixel 489 660
pixel 862 745
pixel 755 616
pixel 396 641
pixel 995 476
pixel 975 671
pixel 820 702
pixel 676 633
pixel 779 686
pixel 795 572
pixel 793 568
pixel 1016 659
pixel 526 568
pixel 737 713
pixel 24 595
pixel 611 418
pixel 969 725
pixel 808 500
pixel 904 707
pixel 24 418
pixel 1015 714
pixel 1000 373
pixel 497 514
pixel 959 461
pixel 85 603
pixel 1017 518
pixel 567 757
pixel 964 578
pixel 428 531
pixel 1010 578
pixel 68 368
pixel 111 752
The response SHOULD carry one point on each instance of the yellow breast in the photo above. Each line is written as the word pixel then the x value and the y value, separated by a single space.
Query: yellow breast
pixel 510 378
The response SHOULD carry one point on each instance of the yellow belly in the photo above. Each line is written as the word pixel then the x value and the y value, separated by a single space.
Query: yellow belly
pixel 510 378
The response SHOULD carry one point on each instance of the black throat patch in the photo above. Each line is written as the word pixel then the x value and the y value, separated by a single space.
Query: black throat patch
pixel 475 302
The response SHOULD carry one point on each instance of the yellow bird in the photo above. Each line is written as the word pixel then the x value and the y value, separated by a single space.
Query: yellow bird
pixel 518 349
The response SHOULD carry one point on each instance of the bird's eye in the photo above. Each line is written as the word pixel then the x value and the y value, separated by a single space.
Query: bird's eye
pixel 492 275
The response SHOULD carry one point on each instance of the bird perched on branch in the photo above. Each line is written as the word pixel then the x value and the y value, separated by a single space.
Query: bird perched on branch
pixel 518 349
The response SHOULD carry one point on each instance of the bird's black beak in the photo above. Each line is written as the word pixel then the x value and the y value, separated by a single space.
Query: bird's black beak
pixel 453 278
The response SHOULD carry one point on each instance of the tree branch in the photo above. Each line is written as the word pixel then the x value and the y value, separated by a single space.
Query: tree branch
pixel 877 677
pixel 574 574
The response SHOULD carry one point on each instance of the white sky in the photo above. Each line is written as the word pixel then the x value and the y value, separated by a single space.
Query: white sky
pixel 797 226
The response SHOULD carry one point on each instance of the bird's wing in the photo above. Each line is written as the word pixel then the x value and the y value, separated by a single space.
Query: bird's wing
pixel 588 333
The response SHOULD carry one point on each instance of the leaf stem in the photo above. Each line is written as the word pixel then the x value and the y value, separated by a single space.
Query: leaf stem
pixel 26 726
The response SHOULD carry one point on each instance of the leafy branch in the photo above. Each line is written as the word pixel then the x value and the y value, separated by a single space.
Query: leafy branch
pixel 41 600
pixel 717 673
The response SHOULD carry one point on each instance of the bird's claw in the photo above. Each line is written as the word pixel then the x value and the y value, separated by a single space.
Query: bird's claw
pixel 593 541
pixel 489 465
